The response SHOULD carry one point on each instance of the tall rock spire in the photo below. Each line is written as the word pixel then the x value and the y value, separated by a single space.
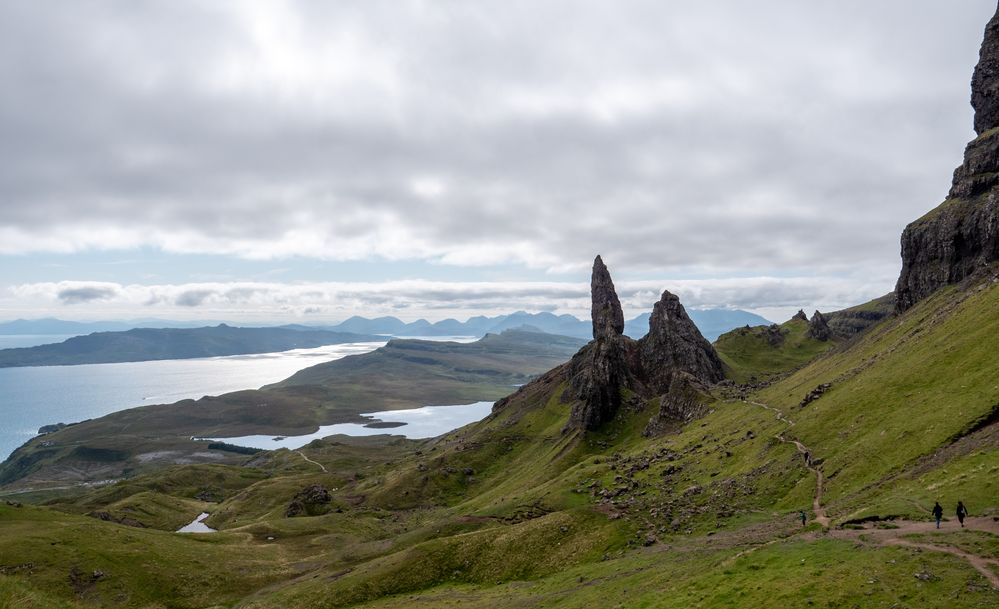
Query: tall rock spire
pixel 608 318
pixel 600 370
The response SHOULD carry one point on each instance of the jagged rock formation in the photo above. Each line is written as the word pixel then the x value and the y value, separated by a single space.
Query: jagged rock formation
pixel 800 316
pixel 960 238
pixel 608 318
pixel 601 369
pixel 674 344
pixel 672 362
pixel 818 327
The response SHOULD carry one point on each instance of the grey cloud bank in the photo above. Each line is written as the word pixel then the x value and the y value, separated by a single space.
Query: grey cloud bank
pixel 725 139
pixel 435 300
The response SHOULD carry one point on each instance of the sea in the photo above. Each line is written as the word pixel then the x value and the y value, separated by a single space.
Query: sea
pixel 31 397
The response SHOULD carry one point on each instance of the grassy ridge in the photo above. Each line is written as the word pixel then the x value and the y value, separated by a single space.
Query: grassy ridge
pixel 757 353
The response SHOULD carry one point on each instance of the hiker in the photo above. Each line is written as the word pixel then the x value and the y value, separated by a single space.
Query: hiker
pixel 937 512
pixel 804 518
pixel 961 512
pixel 808 458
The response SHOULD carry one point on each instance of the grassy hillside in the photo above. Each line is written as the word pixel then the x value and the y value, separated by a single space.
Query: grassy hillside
pixel 757 353
pixel 403 374
pixel 514 511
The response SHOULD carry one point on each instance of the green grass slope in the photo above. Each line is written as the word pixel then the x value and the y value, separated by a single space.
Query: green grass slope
pixel 760 352
pixel 514 511
pixel 905 404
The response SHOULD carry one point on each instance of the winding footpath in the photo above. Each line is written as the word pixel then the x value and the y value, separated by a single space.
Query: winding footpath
pixel 820 513
pixel 900 529
pixel 321 466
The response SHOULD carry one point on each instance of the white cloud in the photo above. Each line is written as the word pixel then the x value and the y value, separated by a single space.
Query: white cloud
pixel 723 139
pixel 419 298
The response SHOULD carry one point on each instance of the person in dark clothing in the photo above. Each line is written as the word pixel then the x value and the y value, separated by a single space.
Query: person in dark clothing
pixel 937 513
pixel 804 518
pixel 961 512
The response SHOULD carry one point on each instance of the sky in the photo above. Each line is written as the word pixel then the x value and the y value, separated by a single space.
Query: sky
pixel 309 161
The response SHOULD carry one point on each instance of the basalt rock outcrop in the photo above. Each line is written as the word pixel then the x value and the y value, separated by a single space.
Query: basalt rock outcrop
pixel 960 238
pixel 674 344
pixel 601 369
pixel 605 310
pixel 800 316
pixel 672 363
pixel 818 327
pixel 312 500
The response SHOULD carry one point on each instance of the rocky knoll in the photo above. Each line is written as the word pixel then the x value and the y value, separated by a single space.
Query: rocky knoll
pixel 673 362
pixel 818 327
pixel 960 238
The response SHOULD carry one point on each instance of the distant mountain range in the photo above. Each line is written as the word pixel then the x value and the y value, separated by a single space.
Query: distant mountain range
pixel 145 344
pixel 711 322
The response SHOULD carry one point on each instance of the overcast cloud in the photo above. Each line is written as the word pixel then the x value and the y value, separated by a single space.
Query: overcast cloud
pixel 712 141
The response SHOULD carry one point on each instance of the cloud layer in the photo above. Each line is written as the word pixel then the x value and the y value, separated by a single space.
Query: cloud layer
pixel 417 298
pixel 723 137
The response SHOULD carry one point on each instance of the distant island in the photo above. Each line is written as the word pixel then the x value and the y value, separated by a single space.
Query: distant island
pixel 146 344
pixel 711 322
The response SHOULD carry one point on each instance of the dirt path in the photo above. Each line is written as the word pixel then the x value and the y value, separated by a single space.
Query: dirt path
pixel 820 512
pixel 895 537
pixel 321 466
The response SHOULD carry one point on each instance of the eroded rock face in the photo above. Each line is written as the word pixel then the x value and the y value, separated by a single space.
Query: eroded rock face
pixel 800 316
pixel 985 81
pixel 598 373
pixel 600 370
pixel 674 344
pixel 605 310
pixel 818 328
pixel 960 238
pixel 673 362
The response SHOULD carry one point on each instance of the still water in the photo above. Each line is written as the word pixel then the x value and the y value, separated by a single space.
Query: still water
pixel 35 396
pixel 426 422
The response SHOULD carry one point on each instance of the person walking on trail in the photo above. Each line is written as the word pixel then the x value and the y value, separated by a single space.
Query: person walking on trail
pixel 962 512
pixel 803 517
pixel 937 513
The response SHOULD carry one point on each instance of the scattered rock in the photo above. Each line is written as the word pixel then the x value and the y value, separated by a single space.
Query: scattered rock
pixel 311 501
pixel 814 394
pixel 123 520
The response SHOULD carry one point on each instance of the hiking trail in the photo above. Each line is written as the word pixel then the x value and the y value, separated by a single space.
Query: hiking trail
pixel 820 513
pixel 321 466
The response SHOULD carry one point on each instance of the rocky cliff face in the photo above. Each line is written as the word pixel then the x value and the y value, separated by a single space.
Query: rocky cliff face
pixel 674 344
pixel 673 362
pixel 960 238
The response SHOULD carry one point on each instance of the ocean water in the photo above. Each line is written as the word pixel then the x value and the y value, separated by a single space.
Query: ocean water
pixel 426 422
pixel 35 396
